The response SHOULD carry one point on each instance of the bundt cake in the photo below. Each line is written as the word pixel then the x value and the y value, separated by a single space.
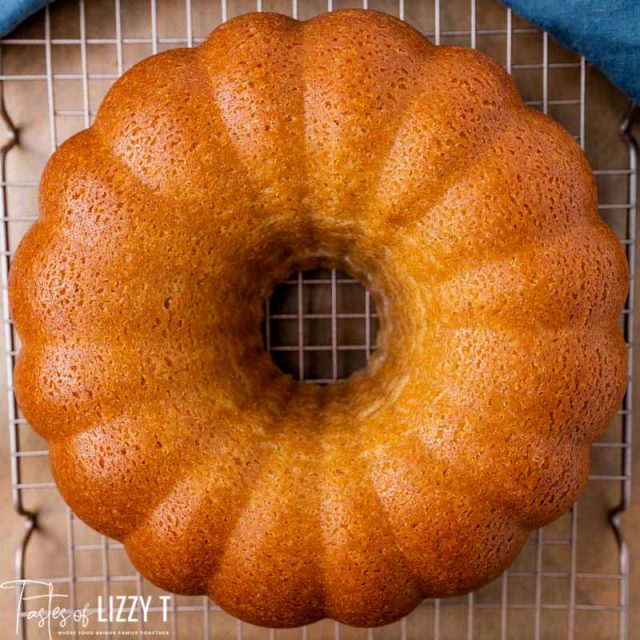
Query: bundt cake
pixel 347 141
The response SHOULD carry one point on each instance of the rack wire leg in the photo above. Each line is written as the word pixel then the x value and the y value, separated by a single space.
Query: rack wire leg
pixel 31 521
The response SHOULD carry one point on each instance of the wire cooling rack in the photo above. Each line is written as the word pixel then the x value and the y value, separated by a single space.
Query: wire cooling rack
pixel 572 578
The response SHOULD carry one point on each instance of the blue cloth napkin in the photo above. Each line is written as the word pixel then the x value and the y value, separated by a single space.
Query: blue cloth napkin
pixel 606 32
pixel 13 12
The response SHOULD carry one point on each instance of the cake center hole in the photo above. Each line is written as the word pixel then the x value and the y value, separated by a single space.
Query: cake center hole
pixel 320 326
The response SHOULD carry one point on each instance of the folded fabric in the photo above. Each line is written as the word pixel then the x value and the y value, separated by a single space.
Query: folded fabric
pixel 13 12
pixel 605 32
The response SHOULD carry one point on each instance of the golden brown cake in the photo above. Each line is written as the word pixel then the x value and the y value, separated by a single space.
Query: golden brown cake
pixel 348 141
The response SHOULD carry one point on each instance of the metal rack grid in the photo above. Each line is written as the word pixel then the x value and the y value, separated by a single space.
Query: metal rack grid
pixel 554 589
